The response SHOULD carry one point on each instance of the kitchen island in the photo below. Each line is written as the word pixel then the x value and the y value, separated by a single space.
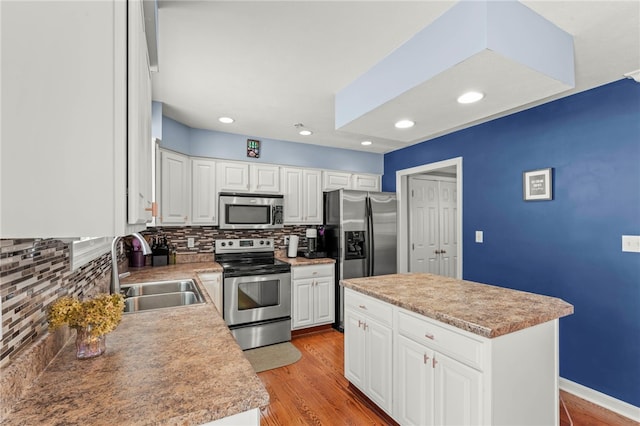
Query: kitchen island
pixel 430 350
pixel 171 366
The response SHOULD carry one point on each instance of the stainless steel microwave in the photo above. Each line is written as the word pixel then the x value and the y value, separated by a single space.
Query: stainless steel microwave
pixel 250 211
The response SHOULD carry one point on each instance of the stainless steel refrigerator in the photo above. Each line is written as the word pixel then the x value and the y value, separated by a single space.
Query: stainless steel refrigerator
pixel 360 233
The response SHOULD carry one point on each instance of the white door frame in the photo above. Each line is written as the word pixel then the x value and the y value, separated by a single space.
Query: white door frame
pixel 402 179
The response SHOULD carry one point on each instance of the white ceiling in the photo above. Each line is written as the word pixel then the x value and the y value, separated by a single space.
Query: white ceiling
pixel 272 64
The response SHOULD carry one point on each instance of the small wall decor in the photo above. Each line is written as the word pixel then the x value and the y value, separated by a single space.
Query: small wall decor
pixel 537 184
pixel 253 148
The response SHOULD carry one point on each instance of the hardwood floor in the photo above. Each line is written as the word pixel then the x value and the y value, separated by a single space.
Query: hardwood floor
pixel 313 391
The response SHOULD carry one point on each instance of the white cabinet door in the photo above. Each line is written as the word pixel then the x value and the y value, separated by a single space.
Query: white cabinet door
pixel 311 197
pixel 324 296
pixel 265 178
pixel 457 399
pixel 364 182
pixel 293 195
pixel 354 349
pixel 232 176
pixel 303 303
pixel 212 282
pixel 368 355
pixel 335 180
pixel 204 198
pixel 64 122
pixel 413 382
pixel 139 141
pixel 175 195
pixel 379 348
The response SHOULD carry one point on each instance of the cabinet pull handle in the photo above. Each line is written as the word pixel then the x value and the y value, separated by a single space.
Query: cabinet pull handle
pixel 365 326
pixel 362 307
pixel 360 323
pixel 443 251
pixel 153 209
pixel 426 358
pixel 429 336
pixel 433 362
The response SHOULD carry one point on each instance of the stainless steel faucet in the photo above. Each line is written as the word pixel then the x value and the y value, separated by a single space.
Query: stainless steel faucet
pixel 115 276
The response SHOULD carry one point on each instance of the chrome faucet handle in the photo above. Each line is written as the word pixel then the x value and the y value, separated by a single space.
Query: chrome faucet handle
pixel 124 274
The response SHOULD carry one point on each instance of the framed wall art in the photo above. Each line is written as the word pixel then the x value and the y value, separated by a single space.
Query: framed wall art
pixel 537 184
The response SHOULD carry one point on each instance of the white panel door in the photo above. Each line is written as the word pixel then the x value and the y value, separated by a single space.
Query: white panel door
pixel 423 226
pixel 362 182
pixel 293 196
pixel 335 180
pixel 204 198
pixel 447 228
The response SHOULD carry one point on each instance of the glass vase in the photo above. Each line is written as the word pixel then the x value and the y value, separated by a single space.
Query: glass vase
pixel 88 346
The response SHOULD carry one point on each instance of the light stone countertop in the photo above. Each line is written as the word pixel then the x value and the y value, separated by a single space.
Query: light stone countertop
pixel 303 261
pixel 178 366
pixel 482 309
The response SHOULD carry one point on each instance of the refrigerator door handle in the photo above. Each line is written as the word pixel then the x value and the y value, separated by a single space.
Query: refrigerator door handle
pixel 370 242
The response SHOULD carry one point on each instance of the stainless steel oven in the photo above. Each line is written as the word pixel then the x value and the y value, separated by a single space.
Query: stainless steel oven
pixel 256 292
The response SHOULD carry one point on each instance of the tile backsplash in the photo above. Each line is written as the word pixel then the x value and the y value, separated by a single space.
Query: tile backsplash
pixel 33 274
pixel 204 236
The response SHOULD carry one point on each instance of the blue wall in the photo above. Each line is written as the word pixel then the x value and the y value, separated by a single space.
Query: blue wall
pixel 230 146
pixel 569 247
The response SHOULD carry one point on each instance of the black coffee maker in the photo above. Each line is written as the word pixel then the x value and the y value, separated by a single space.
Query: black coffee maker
pixel 312 250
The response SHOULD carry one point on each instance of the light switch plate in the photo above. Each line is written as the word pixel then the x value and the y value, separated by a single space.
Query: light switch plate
pixel 191 242
pixel 631 243
pixel 479 236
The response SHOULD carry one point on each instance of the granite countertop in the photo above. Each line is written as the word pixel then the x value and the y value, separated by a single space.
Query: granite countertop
pixel 303 261
pixel 177 366
pixel 482 309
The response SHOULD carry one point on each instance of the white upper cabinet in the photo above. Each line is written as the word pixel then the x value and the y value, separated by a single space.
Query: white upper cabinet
pixel 63 169
pixel 302 196
pixel 335 180
pixel 246 177
pixel 332 180
pixel 265 178
pixel 174 200
pixel 204 198
pixel 232 176
pixel 139 128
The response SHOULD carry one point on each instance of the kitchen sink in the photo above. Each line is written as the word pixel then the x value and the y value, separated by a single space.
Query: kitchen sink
pixel 160 294
pixel 158 287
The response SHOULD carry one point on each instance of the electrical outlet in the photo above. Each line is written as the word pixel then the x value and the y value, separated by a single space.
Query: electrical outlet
pixel 479 236
pixel 191 242
pixel 631 243
pixel 286 240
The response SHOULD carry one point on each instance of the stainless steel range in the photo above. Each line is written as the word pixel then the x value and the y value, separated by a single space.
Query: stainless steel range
pixel 256 292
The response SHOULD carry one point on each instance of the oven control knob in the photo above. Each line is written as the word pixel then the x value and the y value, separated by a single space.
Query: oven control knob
pixel 230 243
pixel 223 244
pixel 261 242
pixel 268 243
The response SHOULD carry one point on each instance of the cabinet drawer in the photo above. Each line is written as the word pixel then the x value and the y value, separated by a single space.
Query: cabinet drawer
pixel 312 271
pixel 370 306
pixel 428 333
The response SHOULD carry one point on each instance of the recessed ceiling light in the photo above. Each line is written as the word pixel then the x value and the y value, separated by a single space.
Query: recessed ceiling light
pixel 470 97
pixel 366 143
pixel 306 132
pixel 404 124
pixel 226 120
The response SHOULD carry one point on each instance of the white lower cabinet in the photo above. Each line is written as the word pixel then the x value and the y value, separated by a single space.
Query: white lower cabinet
pixel 212 282
pixel 368 347
pixel 443 375
pixel 433 389
pixel 313 293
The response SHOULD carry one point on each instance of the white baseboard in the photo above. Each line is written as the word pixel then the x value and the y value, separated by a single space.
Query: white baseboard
pixel 601 399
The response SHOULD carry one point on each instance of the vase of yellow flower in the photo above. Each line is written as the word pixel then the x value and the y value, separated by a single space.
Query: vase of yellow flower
pixel 92 320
